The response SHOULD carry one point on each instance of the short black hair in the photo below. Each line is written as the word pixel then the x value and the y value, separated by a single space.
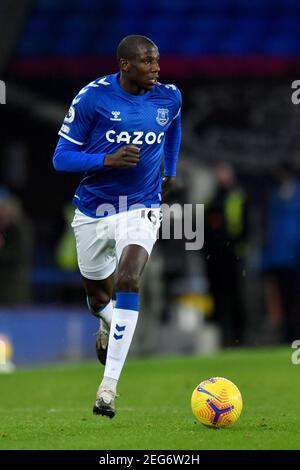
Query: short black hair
pixel 128 47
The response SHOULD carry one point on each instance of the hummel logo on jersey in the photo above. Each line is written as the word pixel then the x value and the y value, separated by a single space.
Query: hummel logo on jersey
pixel 116 115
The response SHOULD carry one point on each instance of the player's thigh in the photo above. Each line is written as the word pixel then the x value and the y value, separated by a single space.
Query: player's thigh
pixel 95 247
pixel 136 236
pixel 132 261
pixel 138 227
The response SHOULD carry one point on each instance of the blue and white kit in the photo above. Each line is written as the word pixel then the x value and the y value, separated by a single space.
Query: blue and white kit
pixel 103 118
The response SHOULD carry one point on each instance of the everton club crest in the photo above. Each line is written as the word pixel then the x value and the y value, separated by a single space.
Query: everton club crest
pixel 162 117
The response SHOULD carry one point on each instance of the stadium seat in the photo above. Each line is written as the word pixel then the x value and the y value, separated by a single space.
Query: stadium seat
pixel 282 45
pixel 195 26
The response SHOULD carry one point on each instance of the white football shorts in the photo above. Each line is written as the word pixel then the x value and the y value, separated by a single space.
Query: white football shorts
pixel 100 242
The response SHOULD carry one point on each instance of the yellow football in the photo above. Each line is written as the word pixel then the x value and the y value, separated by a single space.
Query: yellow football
pixel 217 402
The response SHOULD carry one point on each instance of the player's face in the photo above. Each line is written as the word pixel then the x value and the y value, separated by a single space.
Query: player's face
pixel 144 69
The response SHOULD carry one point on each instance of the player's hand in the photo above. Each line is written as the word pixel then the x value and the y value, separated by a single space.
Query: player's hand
pixel 168 184
pixel 125 157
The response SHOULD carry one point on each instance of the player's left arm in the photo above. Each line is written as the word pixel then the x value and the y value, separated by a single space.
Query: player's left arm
pixel 171 151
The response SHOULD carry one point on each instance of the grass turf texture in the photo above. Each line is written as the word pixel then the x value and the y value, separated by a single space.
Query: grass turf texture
pixel 51 408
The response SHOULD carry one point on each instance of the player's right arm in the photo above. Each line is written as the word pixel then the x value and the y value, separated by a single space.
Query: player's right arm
pixel 67 157
pixel 75 132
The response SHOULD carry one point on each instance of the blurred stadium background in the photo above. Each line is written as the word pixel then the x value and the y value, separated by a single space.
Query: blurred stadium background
pixel 234 61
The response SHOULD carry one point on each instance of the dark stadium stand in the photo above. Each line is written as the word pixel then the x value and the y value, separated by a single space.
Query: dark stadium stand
pixel 224 27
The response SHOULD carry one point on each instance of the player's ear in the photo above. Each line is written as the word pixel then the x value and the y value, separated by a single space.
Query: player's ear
pixel 124 65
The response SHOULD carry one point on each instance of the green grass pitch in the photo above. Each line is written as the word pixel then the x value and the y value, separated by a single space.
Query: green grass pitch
pixel 51 408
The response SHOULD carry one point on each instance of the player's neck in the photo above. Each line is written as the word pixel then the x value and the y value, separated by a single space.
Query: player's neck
pixel 130 87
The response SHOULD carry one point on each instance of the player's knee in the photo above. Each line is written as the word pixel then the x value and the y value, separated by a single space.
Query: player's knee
pixel 127 282
pixel 97 302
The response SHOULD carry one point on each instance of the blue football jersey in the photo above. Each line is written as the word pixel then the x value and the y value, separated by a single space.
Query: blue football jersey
pixel 102 118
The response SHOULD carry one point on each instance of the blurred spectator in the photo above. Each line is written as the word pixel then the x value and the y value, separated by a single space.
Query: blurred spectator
pixel 15 164
pixel 68 290
pixel 66 256
pixel 281 253
pixel 15 251
pixel 172 251
pixel 225 249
